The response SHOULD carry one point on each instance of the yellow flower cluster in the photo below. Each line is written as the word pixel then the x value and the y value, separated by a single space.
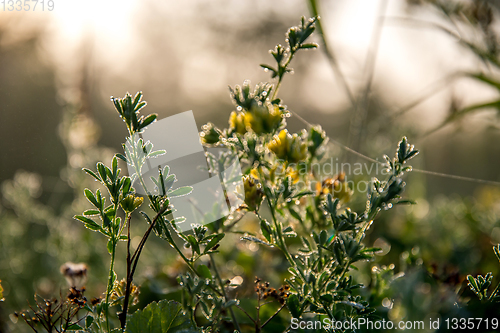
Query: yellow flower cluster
pixel 288 147
pixel 118 292
pixel 259 119
pixel 336 186
pixel 253 193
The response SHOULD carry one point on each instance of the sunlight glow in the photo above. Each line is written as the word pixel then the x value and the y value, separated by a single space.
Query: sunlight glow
pixel 107 19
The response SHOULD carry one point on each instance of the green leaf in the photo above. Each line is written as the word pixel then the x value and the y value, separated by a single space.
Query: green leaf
pixel 204 272
pixel 267 67
pixel 162 317
pixel 194 243
pixel 126 185
pixel 102 171
pixel 473 283
pixel 74 327
pixel 92 173
pixel 216 239
pixel 156 153
pixel 90 212
pixel 295 214
pixel 309 46
pixel 255 240
pixel 231 303
pixel 148 120
pixel 123 158
pixel 90 196
pixel 496 249
pixel 265 227
pixel 89 224
pixel 179 192
pixel 110 246
pixel 293 304
pixel 88 321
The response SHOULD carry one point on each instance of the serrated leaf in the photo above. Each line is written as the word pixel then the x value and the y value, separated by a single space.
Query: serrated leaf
pixel 162 317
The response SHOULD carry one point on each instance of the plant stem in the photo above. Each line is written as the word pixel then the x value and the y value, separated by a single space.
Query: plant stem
pixel 274 315
pixel 123 315
pixel 280 78
pixel 110 282
pixel 235 322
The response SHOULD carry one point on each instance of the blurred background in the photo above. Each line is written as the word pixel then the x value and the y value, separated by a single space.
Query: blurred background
pixel 424 69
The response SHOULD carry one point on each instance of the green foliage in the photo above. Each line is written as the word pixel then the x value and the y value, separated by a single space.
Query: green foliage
pixel 162 317
pixel 129 108
pixel 480 284
pixel 291 205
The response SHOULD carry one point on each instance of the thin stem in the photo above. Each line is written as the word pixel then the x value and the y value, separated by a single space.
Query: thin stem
pixel 217 276
pixel 110 282
pixel 123 315
pixel 274 315
pixel 280 76
pixel 245 312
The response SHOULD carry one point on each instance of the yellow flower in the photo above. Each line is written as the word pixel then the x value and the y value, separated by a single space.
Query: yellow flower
pixel 288 147
pixel 237 122
pixel 293 174
pixel 253 193
pixel 336 186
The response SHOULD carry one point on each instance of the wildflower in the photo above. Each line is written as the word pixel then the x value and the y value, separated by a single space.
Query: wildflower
pixel 210 134
pixel 336 186
pixel 263 118
pixel 316 137
pixel 118 292
pixel 253 193
pixel 288 147
pixel 237 123
pixel 1 292
pixel 75 274
pixel 131 203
